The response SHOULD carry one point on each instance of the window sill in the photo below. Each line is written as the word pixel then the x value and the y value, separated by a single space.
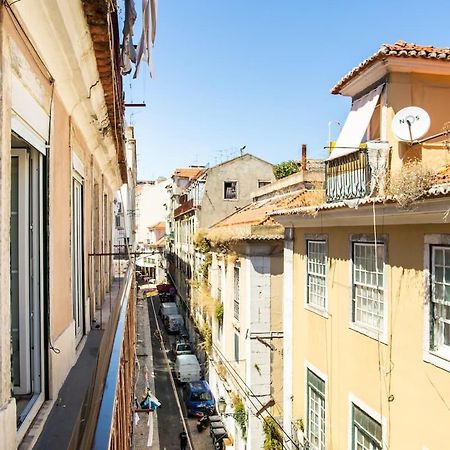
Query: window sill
pixel 317 310
pixel 369 332
pixel 437 359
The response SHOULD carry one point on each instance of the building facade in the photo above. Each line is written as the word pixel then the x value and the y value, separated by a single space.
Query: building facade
pixel 365 273
pixel 62 160
pixel 242 308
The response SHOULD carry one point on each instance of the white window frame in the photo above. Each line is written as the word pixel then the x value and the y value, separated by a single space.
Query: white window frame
pixel 318 309
pixel 319 374
pixel 236 293
pixel 353 400
pixel 77 247
pixel 237 340
pixel 436 356
pixel 379 334
pixel 31 289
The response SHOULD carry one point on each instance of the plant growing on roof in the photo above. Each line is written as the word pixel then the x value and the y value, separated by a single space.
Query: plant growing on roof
pixel 284 169
pixel 411 183
pixel 273 439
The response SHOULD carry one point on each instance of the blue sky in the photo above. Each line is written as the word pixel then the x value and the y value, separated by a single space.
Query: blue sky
pixel 259 73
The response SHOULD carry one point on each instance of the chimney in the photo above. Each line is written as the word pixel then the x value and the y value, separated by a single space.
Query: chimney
pixel 303 157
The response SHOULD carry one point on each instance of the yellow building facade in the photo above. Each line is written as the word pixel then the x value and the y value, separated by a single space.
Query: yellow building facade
pixel 367 274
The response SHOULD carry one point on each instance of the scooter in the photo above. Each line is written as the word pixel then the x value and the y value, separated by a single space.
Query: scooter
pixel 202 423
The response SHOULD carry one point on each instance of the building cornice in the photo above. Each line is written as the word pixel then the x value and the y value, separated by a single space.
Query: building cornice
pixel 428 211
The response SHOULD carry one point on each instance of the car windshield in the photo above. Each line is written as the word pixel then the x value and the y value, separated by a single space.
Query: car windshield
pixel 201 396
pixel 183 347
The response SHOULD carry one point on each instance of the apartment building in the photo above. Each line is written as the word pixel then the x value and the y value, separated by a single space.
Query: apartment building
pixel 366 273
pixel 209 196
pixel 62 160
pixel 242 308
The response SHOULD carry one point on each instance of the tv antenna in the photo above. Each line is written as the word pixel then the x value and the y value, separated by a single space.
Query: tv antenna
pixel 410 124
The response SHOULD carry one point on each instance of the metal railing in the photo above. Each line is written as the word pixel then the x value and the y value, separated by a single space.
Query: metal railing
pixel 106 422
pixel 348 177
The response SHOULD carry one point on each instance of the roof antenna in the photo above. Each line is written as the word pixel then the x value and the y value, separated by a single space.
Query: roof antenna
pixel 242 149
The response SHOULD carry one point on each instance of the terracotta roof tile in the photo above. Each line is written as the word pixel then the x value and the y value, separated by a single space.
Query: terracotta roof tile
pixel 189 172
pixel 254 220
pixel 159 225
pixel 400 49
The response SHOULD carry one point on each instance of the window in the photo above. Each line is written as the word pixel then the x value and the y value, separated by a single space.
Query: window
pixel 236 347
pixel 236 292
pixel 230 190
pixel 366 432
pixel 316 412
pixel 77 258
pixel 440 299
pixel 262 183
pixel 316 273
pixel 368 290
pixel 27 278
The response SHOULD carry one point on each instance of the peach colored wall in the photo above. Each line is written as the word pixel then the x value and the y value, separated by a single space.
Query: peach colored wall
pixel 60 222
pixel 431 92
pixel 353 362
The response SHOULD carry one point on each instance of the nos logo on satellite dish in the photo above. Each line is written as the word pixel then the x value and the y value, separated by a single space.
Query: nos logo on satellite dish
pixel 411 123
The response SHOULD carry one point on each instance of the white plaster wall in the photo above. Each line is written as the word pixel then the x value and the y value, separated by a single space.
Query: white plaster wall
pixel 150 209
pixel 288 321
pixel 257 354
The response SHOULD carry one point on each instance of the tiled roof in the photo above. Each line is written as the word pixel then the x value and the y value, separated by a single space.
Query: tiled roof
pixel 254 220
pixel 435 191
pixel 161 242
pixel 105 43
pixel 189 172
pixel 157 225
pixel 400 49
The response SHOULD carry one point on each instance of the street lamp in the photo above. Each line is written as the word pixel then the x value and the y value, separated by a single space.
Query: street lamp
pixel 221 405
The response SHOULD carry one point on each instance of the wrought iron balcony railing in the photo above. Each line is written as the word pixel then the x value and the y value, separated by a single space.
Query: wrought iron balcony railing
pixel 348 176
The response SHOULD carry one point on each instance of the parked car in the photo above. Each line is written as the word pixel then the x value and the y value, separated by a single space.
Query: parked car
pixel 198 398
pixel 187 368
pixel 166 297
pixel 173 323
pixel 182 347
pixel 167 308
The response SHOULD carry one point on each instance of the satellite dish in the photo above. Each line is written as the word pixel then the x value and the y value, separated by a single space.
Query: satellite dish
pixel 411 123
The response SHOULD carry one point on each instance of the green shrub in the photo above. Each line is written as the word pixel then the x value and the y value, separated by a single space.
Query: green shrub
pixel 273 439
pixel 284 169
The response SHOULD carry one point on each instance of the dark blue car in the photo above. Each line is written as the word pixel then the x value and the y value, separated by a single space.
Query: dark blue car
pixel 198 398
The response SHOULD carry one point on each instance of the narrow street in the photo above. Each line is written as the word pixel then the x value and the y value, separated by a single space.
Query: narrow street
pixel 155 359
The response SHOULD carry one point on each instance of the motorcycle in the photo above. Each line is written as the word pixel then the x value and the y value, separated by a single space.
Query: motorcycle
pixel 202 423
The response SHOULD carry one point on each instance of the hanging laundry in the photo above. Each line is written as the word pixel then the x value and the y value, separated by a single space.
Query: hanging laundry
pixel 145 43
pixel 128 54
pixel 154 8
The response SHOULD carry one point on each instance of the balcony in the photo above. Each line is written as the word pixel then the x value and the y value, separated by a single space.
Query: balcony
pixel 348 177
pixel 184 208
pixel 358 174
pixel 94 407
